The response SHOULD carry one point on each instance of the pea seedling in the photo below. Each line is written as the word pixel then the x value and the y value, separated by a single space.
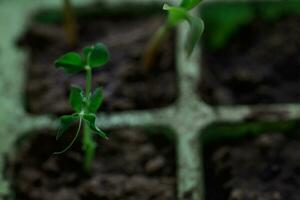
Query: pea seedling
pixel 70 23
pixel 176 15
pixel 85 104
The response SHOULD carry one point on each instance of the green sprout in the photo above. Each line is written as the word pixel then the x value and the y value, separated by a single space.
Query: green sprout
pixel 176 15
pixel 85 104
pixel 70 23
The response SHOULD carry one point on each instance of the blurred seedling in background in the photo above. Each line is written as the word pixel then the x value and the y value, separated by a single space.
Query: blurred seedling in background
pixel 176 15
pixel 84 103
pixel 70 24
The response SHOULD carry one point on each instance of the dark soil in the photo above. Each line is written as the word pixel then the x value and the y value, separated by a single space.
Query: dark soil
pixel 260 64
pixel 262 168
pixel 132 165
pixel 127 85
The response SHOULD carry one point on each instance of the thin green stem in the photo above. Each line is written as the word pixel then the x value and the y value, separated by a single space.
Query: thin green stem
pixel 89 146
pixel 88 81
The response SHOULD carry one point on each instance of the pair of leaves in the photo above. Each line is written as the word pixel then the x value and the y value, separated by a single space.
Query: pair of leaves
pixel 67 120
pixel 93 57
pixel 79 101
pixel 180 14
pixel 85 108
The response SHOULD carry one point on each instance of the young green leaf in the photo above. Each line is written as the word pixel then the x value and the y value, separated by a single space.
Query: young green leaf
pixel 98 56
pixel 76 98
pixel 86 53
pixel 70 62
pixel 189 4
pixel 195 33
pixel 96 100
pixel 177 15
pixel 65 122
pixel 90 119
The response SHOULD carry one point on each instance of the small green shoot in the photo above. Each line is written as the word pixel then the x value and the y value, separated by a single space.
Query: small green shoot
pixel 84 103
pixel 70 23
pixel 176 15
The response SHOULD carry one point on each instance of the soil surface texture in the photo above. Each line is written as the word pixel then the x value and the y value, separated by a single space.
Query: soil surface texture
pixel 131 165
pixel 262 168
pixel 259 64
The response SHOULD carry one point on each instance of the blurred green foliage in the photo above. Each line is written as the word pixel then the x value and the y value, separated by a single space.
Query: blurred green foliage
pixel 54 15
pixel 223 19
pixel 235 132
